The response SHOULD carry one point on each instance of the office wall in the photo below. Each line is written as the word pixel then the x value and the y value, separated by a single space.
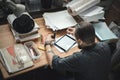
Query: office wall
pixel 114 12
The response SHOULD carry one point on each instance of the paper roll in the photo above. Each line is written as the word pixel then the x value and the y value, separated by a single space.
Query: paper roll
pixel 75 7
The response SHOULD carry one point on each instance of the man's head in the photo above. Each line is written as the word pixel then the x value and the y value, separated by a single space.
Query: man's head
pixel 85 34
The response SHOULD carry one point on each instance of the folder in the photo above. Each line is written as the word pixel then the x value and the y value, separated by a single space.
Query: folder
pixel 103 32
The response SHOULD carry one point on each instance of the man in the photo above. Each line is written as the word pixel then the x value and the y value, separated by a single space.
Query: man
pixel 91 63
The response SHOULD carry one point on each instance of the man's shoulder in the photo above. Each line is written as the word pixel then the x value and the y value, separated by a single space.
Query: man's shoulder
pixel 102 45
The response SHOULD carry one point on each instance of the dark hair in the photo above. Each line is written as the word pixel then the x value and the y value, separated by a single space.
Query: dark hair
pixel 85 31
pixel 23 24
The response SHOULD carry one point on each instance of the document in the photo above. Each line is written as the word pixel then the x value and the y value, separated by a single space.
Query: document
pixel 15 58
pixel 59 20
pixel 93 14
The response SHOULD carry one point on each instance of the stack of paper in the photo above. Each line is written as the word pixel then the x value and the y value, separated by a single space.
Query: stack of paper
pixel 86 9
pixel 23 37
pixel 15 58
pixel 93 14
pixel 59 20
pixel 27 36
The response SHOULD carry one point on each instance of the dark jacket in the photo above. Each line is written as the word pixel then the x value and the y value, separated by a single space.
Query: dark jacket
pixel 91 63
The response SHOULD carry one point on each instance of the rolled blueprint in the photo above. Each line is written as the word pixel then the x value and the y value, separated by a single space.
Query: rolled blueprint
pixel 75 7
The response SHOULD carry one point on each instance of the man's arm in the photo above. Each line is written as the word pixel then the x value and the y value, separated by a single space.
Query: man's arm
pixel 65 64
pixel 49 53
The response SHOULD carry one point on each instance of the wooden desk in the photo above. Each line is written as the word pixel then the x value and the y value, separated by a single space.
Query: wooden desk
pixel 7 40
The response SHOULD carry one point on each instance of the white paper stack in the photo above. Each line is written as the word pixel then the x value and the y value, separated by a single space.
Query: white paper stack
pixel 59 20
pixel 86 9
pixel 93 14
pixel 23 37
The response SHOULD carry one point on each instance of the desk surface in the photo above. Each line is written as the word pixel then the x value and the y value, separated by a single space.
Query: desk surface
pixel 7 39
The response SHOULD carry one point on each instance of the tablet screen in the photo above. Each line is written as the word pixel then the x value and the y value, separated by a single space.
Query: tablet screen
pixel 65 42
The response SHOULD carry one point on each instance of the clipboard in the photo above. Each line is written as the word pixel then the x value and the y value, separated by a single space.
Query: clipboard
pixel 65 42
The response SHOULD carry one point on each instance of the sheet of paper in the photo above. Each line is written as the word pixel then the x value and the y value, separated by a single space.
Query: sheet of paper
pixel 92 11
pixel 93 14
pixel 59 20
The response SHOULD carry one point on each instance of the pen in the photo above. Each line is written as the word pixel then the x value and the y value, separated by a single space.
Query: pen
pixel 54 34
pixel 41 38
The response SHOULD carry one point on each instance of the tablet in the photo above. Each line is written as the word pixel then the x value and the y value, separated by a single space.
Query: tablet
pixel 65 42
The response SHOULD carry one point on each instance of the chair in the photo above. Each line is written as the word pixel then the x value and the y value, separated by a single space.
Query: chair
pixel 115 63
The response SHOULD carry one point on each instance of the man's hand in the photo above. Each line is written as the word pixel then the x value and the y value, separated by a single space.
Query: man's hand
pixel 49 51
pixel 49 38
pixel 71 30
